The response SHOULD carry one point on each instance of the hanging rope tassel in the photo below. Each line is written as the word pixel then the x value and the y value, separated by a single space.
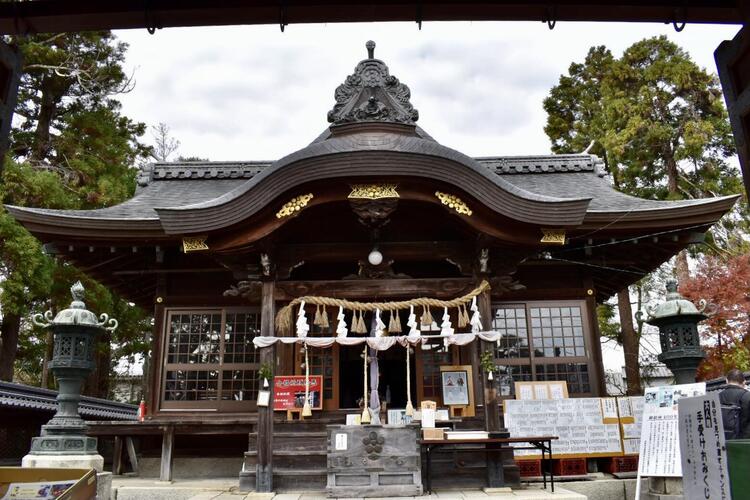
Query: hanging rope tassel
pixel 324 319
pixel 306 410
pixel 317 320
pixel 365 412
pixel 460 317
pixel 409 406
pixel 394 325
pixel 426 317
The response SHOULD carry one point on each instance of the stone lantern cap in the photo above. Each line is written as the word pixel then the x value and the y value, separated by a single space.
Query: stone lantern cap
pixel 75 314
pixel 675 305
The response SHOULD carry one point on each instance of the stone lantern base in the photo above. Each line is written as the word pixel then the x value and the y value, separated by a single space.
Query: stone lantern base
pixel 93 461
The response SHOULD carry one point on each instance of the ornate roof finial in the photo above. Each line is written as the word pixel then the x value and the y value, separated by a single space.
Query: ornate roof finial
pixel 372 94
pixel 77 291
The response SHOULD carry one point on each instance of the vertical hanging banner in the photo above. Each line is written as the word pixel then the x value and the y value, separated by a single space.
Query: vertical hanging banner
pixel 660 443
pixel 705 475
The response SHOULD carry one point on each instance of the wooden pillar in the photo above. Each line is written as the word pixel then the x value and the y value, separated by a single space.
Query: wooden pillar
pixel 117 457
pixel 264 467
pixel 167 450
pixel 599 388
pixel 489 395
pixel 154 374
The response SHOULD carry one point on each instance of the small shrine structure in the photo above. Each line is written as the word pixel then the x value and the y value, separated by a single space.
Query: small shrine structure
pixel 373 211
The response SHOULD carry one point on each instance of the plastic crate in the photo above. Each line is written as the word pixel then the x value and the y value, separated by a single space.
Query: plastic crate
pixel 569 467
pixel 616 465
pixel 529 468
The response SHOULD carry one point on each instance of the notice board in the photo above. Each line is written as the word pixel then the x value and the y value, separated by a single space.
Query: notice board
pixel 579 423
pixel 289 392
pixel 705 473
pixel 660 444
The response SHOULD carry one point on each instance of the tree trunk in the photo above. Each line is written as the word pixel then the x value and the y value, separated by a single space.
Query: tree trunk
pixel 48 349
pixel 11 326
pixel 630 343
pixel 47 109
pixel 672 174
pixel 97 384
pixel 681 268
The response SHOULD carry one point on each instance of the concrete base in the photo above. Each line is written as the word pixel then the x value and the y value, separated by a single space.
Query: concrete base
pixel 64 462
pixel 664 488
pixel 104 486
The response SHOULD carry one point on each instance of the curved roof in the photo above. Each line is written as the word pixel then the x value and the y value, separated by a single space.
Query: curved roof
pixel 373 136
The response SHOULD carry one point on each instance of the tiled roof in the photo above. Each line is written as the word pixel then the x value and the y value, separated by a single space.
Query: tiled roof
pixel 542 164
pixel 35 398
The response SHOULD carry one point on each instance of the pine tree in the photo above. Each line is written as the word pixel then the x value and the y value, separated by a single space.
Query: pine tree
pixel 658 121
pixel 73 149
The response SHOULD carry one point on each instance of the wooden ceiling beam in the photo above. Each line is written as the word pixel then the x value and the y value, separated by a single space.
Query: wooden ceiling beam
pixel 47 16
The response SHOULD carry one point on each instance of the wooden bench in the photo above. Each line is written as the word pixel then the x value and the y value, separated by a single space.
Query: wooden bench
pixel 491 445
pixel 125 431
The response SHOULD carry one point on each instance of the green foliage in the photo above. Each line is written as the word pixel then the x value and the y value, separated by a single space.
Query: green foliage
pixel 71 149
pixel 656 118
pixel 608 326
pixel 265 372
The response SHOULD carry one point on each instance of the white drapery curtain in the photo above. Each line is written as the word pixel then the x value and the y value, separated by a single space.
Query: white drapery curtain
pixel 379 343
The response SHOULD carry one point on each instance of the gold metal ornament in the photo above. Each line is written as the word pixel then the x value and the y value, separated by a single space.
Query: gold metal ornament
pixel 553 236
pixel 454 202
pixel 294 205
pixel 373 191
pixel 194 243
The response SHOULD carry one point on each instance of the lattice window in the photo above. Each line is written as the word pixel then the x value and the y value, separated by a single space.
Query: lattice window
pixel 192 385
pixel 557 332
pixel 541 331
pixel 433 356
pixel 511 322
pixel 211 361
pixel 241 329
pixel 575 374
pixel 194 338
pixel 239 385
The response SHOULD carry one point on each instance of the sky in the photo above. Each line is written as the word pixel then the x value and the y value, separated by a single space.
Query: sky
pixel 255 93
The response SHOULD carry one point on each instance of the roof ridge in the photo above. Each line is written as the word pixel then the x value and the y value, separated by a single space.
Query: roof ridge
pixel 199 170
pixel 540 164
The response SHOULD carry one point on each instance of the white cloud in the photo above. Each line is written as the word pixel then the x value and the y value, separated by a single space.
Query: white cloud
pixel 252 92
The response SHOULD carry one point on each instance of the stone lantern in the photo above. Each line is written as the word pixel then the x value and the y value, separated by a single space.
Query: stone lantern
pixel 677 319
pixel 63 441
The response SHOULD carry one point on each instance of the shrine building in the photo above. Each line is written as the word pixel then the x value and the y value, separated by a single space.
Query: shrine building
pixel 372 211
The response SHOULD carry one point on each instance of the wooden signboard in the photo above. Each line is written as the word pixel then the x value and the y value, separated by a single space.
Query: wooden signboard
pixel 289 392
pixel 555 389
pixel 458 390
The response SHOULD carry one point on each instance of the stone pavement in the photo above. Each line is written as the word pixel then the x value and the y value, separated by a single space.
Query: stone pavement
pixel 124 488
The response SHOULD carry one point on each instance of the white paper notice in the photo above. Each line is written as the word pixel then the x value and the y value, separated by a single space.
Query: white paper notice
pixel 428 418
pixel 540 392
pixel 660 446
pixel 609 408
pixel 623 406
pixel 702 445
pixel 525 392
pixel 556 391
pixel 341 442
pixel 577 422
